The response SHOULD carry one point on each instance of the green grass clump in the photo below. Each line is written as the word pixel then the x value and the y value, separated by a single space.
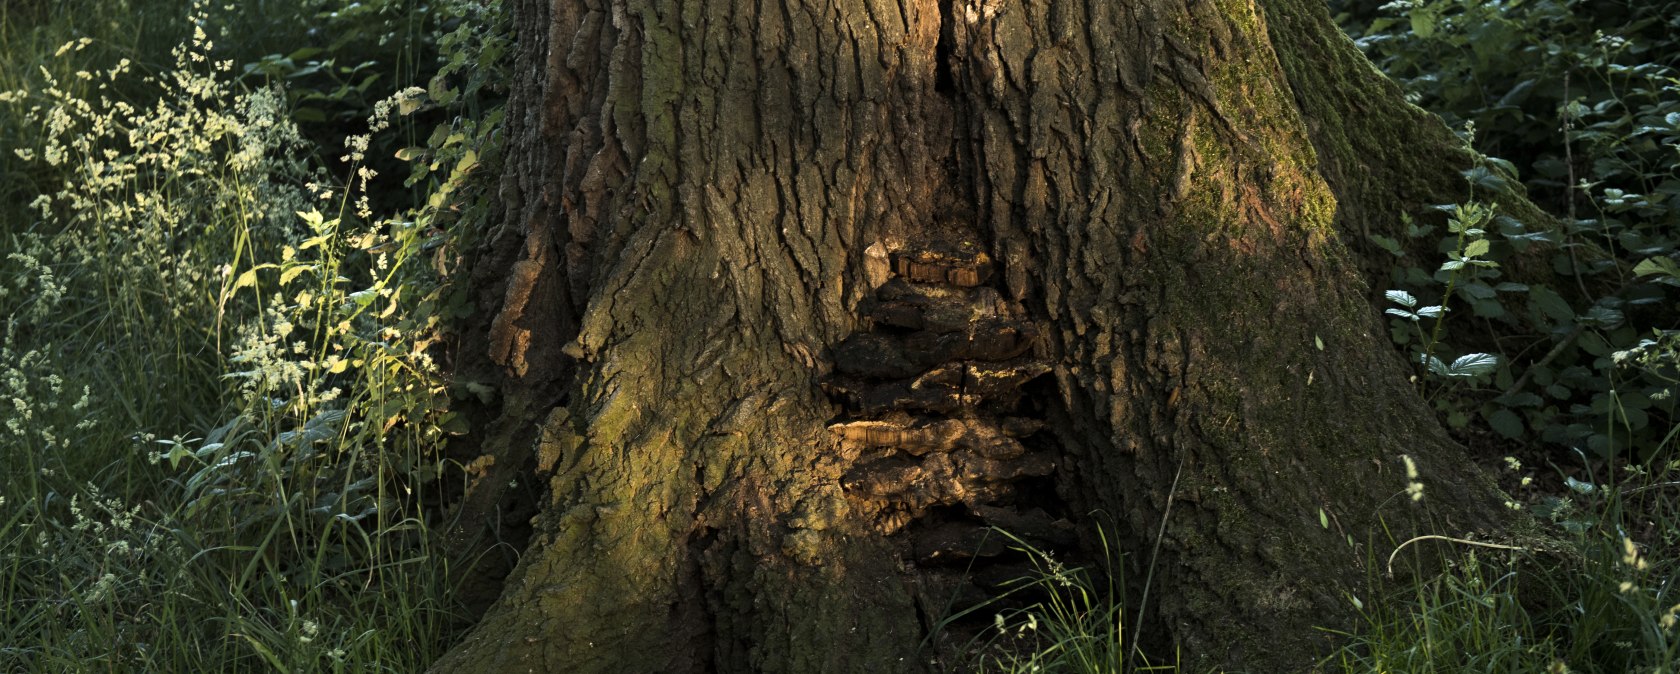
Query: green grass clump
pixel 223 423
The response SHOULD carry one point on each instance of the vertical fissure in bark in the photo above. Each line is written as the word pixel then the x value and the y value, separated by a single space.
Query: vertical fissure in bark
pixel 944 51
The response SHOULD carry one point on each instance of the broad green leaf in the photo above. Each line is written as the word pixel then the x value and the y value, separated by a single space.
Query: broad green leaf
pixel 1487 308
pixel 1550 304
pixel 1423 24
pixel 1603 316
pixel 291 273
pixel 1388 244
pixel 1474 364
pixel 1506 423
pixel 1478 290
pixel 1657 265
pixel 1477 248
pixel 1521 399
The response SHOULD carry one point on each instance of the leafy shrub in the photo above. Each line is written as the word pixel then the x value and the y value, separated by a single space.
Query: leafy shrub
pixel 226 454
pixel 1585 98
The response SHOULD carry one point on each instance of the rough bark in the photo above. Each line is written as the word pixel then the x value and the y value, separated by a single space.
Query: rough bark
pixel 795 296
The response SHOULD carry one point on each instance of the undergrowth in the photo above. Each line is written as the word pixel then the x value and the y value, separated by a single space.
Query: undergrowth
pixel 224 417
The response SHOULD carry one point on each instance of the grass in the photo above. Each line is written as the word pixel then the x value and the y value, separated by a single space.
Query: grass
pixel 217 444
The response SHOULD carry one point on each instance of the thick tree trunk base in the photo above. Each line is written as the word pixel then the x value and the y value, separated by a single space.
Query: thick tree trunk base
pixel 800 300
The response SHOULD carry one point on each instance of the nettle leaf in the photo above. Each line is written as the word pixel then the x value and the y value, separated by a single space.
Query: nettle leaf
pixel 1401 298
pixel 1388 244
pixel 1473 365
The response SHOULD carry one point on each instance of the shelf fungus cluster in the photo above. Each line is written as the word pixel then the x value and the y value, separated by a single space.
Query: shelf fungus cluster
pixel 944 448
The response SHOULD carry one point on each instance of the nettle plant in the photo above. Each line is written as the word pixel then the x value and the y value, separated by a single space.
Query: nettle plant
pixel 1585 98
pixel 1584 378
pixel 1465 271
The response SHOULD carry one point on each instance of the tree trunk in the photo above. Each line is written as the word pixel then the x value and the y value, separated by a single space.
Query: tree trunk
pixel 795 297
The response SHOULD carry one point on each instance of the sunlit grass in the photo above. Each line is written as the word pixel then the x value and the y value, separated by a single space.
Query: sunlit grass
pixel 216 435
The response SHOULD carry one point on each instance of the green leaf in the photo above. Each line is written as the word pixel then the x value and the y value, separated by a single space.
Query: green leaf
pixel 1472 365
pixel 1506 423
pixel 1657 265
pixel 292 273
pixel 1401 298
pixel 1388 244
pixel 1579 487
pixel 1323 519
pixel 1487 308
pixel 468 162
pixel 309 115
pixel 1521 399
pixel 1423 24
pixel 1549 304
pixel 1478 290
pixel 1603 316
pixel 248 278
pixel 1477 248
